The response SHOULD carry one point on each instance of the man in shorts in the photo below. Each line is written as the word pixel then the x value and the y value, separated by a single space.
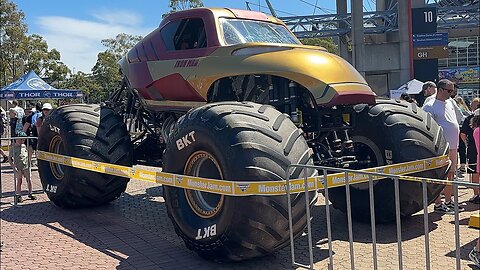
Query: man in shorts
pixel 443 112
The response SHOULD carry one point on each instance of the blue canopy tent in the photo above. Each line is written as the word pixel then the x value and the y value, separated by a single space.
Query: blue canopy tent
pixel 31 86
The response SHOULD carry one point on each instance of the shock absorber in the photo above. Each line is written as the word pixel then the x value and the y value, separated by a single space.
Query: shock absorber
pixel 337 143
pixel 348 143
pixel 286 98
pixel 292 88
pixel 272 95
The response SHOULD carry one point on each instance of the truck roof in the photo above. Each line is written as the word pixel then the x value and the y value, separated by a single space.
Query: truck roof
pixel 224 12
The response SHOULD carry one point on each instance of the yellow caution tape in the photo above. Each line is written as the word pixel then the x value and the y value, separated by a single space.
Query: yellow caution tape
pixel 248 188
pixel 474 221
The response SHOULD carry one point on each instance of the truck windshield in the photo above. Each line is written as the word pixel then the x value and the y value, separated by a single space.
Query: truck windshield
pixel 237 31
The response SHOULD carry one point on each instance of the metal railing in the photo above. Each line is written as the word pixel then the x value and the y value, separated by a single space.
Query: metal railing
pixel 27 143
pixel 371 176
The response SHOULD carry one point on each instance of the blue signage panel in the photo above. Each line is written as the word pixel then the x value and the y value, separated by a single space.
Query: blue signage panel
pixel 6 95
pixel 424 20
pixel 41 94
pixel 430 39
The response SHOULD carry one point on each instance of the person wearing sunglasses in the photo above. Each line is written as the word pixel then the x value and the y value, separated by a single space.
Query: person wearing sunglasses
pixel 443 111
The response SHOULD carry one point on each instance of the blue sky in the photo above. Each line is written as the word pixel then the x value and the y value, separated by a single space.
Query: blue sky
pixel 75 28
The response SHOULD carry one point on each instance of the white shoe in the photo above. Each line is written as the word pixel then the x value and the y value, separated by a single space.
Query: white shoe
pixel 474 256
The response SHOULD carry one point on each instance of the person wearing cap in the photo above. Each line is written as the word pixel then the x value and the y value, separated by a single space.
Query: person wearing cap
pixel 21 167
pixel 46 108
pixel 429 89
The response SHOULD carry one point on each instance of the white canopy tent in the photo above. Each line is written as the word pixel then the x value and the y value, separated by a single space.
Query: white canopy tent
pixel 412 87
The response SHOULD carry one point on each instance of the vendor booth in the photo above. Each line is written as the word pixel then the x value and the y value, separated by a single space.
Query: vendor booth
pixel 31 87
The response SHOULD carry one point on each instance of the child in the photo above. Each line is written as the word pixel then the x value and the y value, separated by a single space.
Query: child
pixel 20 162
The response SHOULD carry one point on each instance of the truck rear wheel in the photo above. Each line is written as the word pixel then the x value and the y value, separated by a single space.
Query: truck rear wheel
pixel 240 142
pixel 89 132
pixel 392 132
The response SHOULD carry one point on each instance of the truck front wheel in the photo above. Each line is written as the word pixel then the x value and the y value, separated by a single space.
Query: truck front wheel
pixel 239 142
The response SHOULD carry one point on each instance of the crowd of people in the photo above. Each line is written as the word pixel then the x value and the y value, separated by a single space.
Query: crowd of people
pixel 461 128
pixel 22 124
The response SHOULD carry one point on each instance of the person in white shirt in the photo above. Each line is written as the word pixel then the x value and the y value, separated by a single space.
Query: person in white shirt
pixel 20 115
pixel 430 91
pixel 443 112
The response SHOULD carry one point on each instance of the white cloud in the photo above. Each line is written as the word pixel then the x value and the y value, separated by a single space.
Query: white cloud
pixel 118 17
pixel 79 41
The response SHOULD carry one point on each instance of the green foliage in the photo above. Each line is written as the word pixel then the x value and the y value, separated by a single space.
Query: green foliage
pixel 12 33
pixel 87 83
pixel 20 53
pixel 37 57
pixel 327 43
pixel 106 73
pixel 120 45
pixel 177 5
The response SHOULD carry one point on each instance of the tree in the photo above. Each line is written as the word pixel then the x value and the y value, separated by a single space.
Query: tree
pixel 106 74
pixel 87 84
pixel 120 45
pixel 36 56
pixel 20 53
pixel 12 33
pixel 54 69
pixel 326 43
pixel 177 5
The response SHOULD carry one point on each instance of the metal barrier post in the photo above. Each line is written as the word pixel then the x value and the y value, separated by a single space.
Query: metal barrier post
pixel 398 221
pixel 425 224
pixel 349 220
pixel 290 222
pixel 14 177
pixel 11 144
pixel 457 225
pixel 329 224
pixel 1 192
pixel 372 221
pixel 29 160
pixel 308 217
pixel 309 225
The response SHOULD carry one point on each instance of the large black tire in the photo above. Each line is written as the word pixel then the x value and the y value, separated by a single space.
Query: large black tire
pixel 89 132
pixel 235 141
pixel 393 132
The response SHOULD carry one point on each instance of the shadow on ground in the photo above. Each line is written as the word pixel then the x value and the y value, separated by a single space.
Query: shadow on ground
pixel 138 226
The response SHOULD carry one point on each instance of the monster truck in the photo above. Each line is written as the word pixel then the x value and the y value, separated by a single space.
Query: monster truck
pixel 232 94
